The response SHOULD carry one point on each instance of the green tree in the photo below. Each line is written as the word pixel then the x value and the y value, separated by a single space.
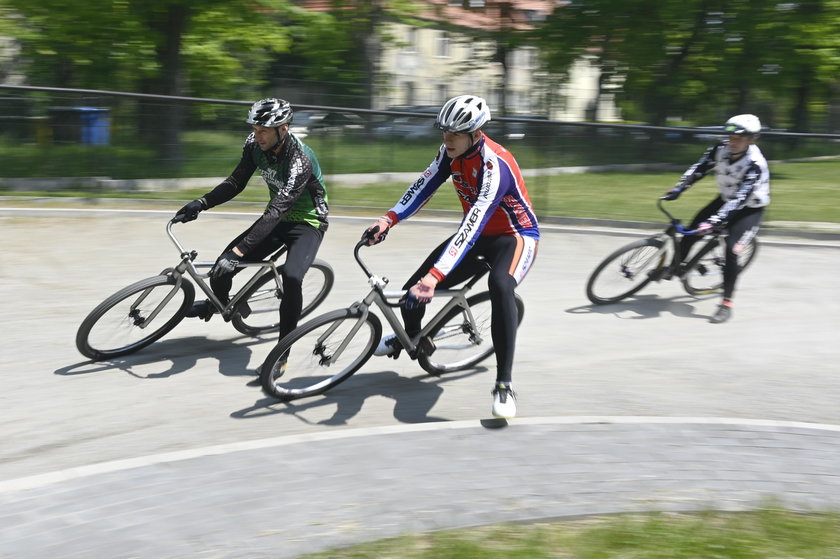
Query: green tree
pixel 166 47
pixel 340 49
pixel 704 59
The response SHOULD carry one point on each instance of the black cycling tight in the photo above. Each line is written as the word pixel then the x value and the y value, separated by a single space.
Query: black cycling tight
pixel 505 254
pixel 302 241
pixel 743 225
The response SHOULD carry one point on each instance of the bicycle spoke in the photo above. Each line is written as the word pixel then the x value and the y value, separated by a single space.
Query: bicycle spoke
pixel 461 342
pixel 134 317
pixel 320 354
pixel 625 271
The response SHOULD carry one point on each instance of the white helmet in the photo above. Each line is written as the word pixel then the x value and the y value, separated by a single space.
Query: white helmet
pixel 465 113
pixel 743 125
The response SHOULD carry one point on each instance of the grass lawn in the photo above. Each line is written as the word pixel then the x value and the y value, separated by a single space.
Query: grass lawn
pixel 806 192
pixel 766 534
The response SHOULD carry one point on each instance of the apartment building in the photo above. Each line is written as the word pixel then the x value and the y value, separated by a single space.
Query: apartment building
pixel 455 49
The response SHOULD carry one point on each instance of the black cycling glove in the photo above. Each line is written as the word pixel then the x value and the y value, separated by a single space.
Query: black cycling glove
pixel 190 211
pixel 225 264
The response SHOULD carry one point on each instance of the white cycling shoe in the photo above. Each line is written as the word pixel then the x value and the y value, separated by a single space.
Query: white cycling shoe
pixel 388 345
pixel 504 401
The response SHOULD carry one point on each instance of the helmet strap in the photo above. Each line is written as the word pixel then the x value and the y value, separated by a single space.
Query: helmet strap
pixel 279 143
pixel 472 141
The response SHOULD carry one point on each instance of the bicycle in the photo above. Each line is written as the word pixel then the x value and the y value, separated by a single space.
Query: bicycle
pixel 328 349
pixel 630 268
pixel 142 313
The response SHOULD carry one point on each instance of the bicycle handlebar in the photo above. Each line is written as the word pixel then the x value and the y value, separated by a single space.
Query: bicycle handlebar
pixel 674 221
pixel 184 252
pixel 363 242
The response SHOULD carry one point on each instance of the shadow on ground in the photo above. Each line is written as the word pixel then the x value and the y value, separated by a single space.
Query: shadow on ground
pixel 646 306
pixel 182 354
pixel 414 397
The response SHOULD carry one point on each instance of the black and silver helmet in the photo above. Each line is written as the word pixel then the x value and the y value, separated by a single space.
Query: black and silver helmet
pixel 271 112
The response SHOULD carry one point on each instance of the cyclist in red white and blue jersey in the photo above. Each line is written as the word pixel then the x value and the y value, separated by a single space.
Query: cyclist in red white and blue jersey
pixel 499 224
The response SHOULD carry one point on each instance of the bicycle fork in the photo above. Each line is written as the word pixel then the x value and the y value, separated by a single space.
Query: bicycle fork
pixel 134 312
pixel 320 349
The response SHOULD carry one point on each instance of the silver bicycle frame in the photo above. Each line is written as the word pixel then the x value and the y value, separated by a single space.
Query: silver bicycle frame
pixel 457 298
pixel 190 266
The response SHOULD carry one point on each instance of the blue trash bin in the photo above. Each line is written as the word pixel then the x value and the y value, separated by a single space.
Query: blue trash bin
pixel 88 125
pixel 96 126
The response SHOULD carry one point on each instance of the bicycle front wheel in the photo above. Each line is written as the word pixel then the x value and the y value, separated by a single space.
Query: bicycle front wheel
pixel 320 354
pixel 264 298
pixel 704 272
pixel 463 339
pixel 134 317
pixel 626 271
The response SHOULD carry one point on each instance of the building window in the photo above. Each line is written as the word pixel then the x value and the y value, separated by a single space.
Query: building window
pixel 442 93
pixel 410 39
pixel 526 58
pixel 442 45
pixel 408 88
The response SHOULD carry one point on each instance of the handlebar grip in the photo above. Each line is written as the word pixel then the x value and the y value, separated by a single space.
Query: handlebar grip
pixel 684 231
pixel 369 233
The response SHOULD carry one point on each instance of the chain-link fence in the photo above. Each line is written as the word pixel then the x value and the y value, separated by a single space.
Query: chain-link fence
pixel 49 134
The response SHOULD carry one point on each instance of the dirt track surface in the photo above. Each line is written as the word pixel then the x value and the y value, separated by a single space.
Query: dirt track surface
pixel 652 356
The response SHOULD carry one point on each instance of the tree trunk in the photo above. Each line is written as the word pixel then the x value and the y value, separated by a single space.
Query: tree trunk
pixel 161 122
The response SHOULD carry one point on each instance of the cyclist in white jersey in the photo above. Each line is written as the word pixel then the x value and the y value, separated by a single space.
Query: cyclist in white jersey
pixel 743 180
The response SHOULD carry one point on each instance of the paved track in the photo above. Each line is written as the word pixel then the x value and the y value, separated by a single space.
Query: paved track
pixel 168 453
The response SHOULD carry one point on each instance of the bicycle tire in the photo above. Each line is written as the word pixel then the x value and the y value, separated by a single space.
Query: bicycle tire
pixel 110 328
pixel 456 347
pixel 704 272
pixel 626 271
pixel 264 298
pixel 303 350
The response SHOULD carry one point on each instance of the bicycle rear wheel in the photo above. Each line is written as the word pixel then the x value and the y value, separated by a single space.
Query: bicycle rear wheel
pixel 320 354
pixel 626 271
pixel 461 343
pixel 264 298
pixel 122 323
pixel 704 272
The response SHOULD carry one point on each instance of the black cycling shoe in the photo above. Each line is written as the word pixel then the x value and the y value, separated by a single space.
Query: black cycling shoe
pixel 722 314
pixel 203 310
pixel 662 273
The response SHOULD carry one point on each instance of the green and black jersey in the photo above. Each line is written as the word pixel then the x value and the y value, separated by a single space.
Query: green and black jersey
pixel 294 180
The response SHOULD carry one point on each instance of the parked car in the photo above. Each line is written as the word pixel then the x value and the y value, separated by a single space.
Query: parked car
pixel 325 122
pixel 407 127
pixel 529 125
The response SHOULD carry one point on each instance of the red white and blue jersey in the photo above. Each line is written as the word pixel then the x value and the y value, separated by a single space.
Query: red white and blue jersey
pixel 492 192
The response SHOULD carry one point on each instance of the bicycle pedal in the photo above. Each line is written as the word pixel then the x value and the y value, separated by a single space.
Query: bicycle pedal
pixel 426 345
pixel 244 309
pixel 655 275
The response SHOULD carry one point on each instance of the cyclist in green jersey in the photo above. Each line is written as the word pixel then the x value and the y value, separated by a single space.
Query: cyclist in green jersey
pixel 296 215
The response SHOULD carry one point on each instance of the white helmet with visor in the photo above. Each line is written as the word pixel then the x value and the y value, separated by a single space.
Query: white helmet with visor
pixel 743 125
